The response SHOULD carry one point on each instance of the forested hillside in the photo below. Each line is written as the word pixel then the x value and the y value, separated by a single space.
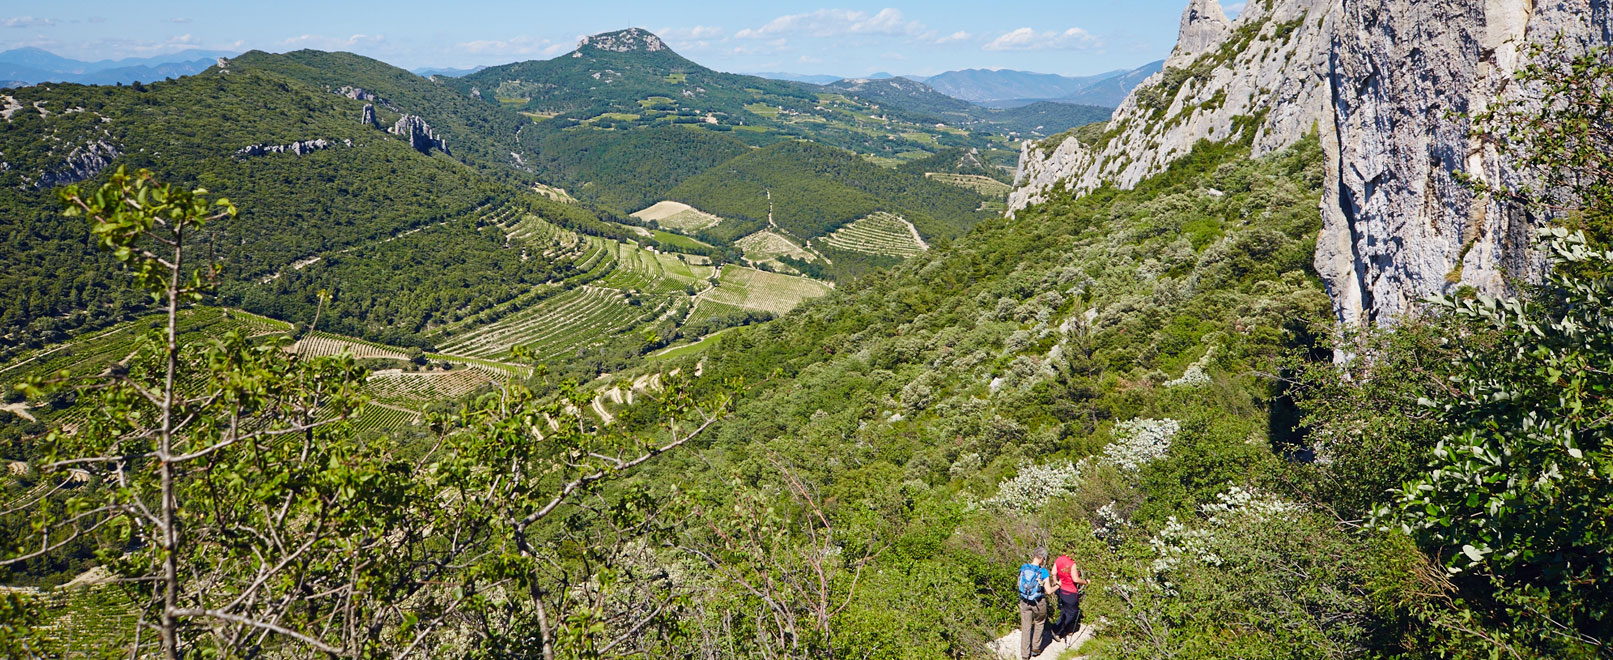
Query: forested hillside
pixel 810 190
pixel 345 183
pixel 485 136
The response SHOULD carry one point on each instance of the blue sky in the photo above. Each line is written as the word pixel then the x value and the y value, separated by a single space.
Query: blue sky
pixel 1072 37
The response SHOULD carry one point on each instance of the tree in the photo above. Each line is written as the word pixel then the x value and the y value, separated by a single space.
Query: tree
pixel 230 496
pixel 1518 493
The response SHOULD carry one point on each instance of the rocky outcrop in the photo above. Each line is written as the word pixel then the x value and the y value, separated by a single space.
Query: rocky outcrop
pixel 85 161
pixel 360 94
pixel 1260 77
pixel 367 117
pixel 1384 84
pixel 419 135
pixel 1204 27
pixel 299 148
pixel 1397 227
pixel 623 41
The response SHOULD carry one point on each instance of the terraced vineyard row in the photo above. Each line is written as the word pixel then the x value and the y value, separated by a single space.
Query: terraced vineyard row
pixel 878 233
pixel 760 290
pixel 86 622
pixel 93 352
pixel 557 325
pixel 316 344
pixel 377 416
pixel 424 387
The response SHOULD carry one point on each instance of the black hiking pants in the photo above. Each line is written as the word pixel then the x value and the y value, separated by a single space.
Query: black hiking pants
pixel 1069 613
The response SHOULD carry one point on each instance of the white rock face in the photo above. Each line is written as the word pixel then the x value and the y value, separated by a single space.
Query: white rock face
pixel 1204 27
pixel 623 41
pixel 1378 81
pixel 1397 227
pixel 1269 64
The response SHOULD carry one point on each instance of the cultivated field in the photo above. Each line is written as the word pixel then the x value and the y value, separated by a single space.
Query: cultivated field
pixel 557 327
pixel 878 233
pixel 984 185
pixel 90 353
pixel 754 289
pixel 678 215
pixel 420 387
pixel 315 344
pixel 768 245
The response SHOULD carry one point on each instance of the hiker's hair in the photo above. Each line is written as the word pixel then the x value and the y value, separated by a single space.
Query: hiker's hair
pixel 1041 553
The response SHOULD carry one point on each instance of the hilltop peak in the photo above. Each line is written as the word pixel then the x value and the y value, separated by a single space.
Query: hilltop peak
pixel 624 41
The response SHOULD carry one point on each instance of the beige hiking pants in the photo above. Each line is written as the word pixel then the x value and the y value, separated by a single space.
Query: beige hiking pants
pixel 1031 618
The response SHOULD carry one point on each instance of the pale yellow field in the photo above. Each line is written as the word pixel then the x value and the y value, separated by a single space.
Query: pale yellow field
pixel 766 245
pixel 677 215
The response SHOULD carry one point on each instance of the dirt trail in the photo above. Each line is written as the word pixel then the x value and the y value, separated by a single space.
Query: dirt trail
pixel 1007 646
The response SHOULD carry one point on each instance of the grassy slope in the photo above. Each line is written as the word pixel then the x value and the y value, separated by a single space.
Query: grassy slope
pixel 880 396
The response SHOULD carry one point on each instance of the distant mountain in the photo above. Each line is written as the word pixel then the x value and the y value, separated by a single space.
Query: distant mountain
pixel 994 85
pixel 428 72
pixel 814 78
pixel 1008 88
pixel 1110 91
pixel 909 95
pixel 33 65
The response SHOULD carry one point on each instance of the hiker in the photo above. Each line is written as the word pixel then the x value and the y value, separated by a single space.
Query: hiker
pixel 1034 585
pixel 1071 588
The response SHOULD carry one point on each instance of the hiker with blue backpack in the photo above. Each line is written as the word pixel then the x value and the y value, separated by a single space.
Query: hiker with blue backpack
pixel 1035 583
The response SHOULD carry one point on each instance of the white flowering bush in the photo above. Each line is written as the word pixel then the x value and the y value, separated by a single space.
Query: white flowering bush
pixel 1178 541
pixel 1034 486
pixel 1195 375
pixel 1140 441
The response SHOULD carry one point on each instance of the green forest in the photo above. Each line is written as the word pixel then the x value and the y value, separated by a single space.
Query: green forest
pixel 354 398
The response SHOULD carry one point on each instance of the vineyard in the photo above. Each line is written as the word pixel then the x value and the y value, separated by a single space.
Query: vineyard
pixel 381 416
pixel 768 245
pixel 878 233
pixel 677 215
pixel 85 621
pixel 754 289
pixel 639 269
pixel 984 185
pixel 420 387
pixel 316 344
pixel 93 352
pixel 557 327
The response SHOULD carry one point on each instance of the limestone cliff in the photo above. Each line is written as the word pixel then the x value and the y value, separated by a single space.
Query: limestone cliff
pixel 1396 226
pixel 419 134
pixel 1261 73
pixel 1384 84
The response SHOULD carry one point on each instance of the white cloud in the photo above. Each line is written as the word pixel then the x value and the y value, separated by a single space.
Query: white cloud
pixel 836 23
pixel 179 19
pixel 765 48
pixel 1027 39
pixel 522 45
pixel 955 36
pixel 322 42
pixel 27 22
pixel 696 33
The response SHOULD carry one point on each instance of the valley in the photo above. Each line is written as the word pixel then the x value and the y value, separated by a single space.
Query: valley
pixel 1291 343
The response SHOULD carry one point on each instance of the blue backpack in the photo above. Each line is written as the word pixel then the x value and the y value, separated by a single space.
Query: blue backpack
pixel 1030 581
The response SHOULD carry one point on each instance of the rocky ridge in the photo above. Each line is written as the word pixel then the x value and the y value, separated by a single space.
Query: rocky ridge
pixel 301 147
pixel 419 134
pixel 623 41
pixel 1263 73
pixel 85 161
pixel 1380 83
